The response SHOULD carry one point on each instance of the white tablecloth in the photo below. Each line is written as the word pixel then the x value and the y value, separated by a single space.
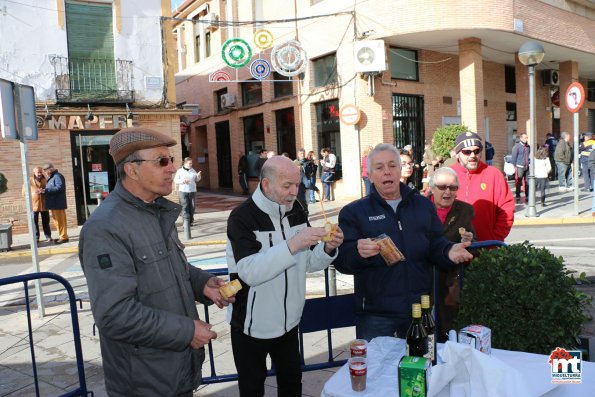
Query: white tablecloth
pixel 384 354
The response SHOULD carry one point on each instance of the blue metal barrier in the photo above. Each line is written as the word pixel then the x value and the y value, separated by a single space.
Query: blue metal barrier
pixel 25 278
pixel 319 314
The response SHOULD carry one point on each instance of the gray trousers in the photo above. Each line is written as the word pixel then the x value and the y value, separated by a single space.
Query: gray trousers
pixel 187 201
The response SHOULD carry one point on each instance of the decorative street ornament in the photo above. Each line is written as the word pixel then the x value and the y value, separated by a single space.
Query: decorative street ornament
pixel 260 69
pixel 219 75
pixel 263 39
pixel 236 52
pixel 289 58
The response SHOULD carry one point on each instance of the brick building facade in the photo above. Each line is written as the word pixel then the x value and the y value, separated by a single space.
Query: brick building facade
pixel 462 55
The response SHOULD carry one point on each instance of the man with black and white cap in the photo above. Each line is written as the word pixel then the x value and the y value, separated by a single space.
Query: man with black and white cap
pixel 142 289
pixel 484 187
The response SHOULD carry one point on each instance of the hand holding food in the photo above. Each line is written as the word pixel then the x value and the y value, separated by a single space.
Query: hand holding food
pixel 329 228
pixel 465 235
pixel 230 289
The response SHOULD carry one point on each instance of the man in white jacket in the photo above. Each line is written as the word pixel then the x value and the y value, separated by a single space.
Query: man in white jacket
pixel 270 248
pixel 186 178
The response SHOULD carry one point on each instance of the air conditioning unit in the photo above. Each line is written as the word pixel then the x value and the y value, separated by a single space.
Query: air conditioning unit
pixel 195 107
pixel 211 21
pixel 228 100
pixel 369 56
pixel 551 77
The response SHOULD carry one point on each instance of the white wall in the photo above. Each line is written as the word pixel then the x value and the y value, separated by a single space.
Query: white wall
pixel 29 34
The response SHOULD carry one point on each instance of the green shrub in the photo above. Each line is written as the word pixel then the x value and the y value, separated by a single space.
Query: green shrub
pixel 3 183
pixel 444 138
pixel 527 298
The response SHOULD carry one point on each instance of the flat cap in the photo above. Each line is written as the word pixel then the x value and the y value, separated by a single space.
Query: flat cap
pixel 129 140
pixel 467 139
pixel 588 133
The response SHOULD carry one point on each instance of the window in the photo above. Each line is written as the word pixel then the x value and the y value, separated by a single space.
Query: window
pixel 90 41
pixel 510 111
pixel 325 70
pixel 328 131
pixel 197 48
pixel 282 88
pixel 509 79
pixel 285 124
pixel 591 91
pixel 251 93
pixel 218 95
pixel 207 44
pixel 253 141
pixel 403 64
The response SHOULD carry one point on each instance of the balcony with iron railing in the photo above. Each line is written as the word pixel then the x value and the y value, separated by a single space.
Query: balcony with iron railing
pixel 80 80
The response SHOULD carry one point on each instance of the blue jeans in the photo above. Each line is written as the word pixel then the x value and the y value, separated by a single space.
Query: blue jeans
pixel 367 185
pixel 369 326
pixel 311 193
pixel 593 205
pixel 564 174
pixel 327 185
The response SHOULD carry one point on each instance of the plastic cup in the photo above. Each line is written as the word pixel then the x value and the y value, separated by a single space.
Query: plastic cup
pixel 358 371
pixel 358 348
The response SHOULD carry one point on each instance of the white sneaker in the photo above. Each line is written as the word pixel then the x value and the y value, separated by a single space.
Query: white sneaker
pixel 569 189
pixel 562 189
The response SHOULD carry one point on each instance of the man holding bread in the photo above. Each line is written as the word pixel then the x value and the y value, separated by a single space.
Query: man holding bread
pixel 270 248
pixel 393 218
pixel 143 292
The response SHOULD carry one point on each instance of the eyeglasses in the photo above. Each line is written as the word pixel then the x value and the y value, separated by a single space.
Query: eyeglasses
pixel 452 188
pixel 468 152
pixel 163 161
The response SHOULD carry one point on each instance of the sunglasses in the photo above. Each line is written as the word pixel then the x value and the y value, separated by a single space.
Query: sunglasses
pixel 163 161
pixel 452 188
pixel 468 152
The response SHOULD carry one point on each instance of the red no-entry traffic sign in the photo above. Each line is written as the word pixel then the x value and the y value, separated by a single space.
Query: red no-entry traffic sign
pixel 575 97
pixel 349 114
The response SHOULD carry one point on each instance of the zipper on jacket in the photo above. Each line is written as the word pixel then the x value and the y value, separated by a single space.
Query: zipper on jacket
pixel 286 281
pixel 364 304
pixel 251 314
pixel 270 239
pixel 400 227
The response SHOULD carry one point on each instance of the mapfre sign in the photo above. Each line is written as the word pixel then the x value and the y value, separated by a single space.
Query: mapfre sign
pixel 115 121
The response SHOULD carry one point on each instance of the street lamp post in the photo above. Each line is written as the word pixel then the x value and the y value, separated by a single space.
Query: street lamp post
pixel 530 54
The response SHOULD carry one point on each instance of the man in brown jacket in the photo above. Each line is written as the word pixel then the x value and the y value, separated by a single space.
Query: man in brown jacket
pixel 37 184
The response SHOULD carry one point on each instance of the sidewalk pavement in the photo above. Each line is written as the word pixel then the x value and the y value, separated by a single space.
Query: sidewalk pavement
pixel 214 208
pixel 53 334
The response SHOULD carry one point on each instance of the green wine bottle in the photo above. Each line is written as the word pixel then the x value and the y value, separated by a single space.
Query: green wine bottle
pixel 428 323
pixel 417 337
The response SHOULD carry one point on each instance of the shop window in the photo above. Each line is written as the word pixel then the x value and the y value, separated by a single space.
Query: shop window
pixel 251 93
pixel 282 86
pixel 253 141
pixel 218 95
pixel 328 132
pixel 285 124
pixel 325 70
pixel 403 64
pixel 509 79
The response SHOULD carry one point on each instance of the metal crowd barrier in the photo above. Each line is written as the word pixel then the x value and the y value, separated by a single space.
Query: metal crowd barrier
pixel 25 278
pixel 319 314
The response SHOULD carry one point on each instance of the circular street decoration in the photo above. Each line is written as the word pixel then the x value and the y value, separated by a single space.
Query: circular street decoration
pixel 288 58
pixel 349 114
pixel 40 121
pixel 575 97
pixel 219 75
pixel 260 69
pixel 263 39
pixel 236 52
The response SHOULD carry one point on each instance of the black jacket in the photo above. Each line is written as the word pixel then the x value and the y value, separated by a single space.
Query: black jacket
pixel 417 233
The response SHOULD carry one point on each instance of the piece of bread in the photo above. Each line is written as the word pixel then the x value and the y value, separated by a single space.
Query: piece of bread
pixel 330 231
pixel 230 289
pixel 462 231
